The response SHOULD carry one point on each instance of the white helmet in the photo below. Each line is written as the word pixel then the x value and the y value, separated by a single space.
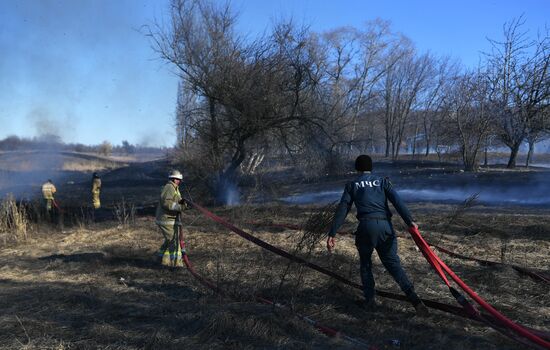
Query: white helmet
pixel 175 174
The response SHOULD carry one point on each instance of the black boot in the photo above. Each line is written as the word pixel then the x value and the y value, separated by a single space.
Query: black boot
pixel 421 309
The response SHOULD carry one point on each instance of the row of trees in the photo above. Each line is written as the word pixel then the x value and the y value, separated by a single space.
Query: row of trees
pixel 313 96
pixel 54 142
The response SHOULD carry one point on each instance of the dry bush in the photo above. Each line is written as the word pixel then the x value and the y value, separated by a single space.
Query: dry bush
pixel 454 220
pixel 125 213
pixel 318 224
pixel 314 229
pixel 14 223
pixel 106 148
pixel 458 212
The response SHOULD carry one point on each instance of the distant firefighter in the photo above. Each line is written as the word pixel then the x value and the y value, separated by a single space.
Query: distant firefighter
pixel 168 220
pixel 96 188
pixel 48 190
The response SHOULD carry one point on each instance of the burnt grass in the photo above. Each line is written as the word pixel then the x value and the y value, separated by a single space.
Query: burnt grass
pixel 93 283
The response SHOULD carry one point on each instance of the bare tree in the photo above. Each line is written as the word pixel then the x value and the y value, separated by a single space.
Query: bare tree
pixel 518 71
pixel 470 112
pixel 374 42
pixel 349 64
pixel 246 91
pixel 434 98
pixel 404 81
pixel 536 98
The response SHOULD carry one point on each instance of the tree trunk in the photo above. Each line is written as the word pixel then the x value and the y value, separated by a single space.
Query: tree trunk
pixel 427 146
pixel 469 158
pixel 530 153
pixel 236 161
pixel 414 140
pixel 469 166
pixel 214 132
pixel 393 150
pixel 252 163
pixel 426 137
pixel 371 140
pixel 227 192
pixel 513 155
pixel 397 150
pixel 470 162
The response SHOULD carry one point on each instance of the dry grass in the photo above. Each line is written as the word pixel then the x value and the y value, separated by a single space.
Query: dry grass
pixel 97 287
pixel 14 222
pixel 89 165
pixel 24 161
pixel 23 165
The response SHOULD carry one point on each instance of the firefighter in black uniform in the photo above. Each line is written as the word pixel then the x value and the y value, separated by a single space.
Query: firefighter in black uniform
pixel 371 193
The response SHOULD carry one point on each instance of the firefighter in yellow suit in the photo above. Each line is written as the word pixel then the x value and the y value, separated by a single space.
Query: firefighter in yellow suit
pixel 168 220
pixel 48 190
pixel 96 188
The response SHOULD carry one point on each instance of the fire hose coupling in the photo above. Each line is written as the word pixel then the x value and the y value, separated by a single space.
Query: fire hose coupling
pixel 458 296
pixel 468 307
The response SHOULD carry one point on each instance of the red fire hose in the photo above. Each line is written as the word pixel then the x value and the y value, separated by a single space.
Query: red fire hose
pixel 465 312
pixel 440 266
pixel 56 205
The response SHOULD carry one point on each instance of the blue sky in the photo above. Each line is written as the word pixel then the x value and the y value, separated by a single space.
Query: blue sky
pixel 81 68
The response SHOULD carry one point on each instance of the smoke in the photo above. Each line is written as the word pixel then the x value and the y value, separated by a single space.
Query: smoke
pixel 322 197
pixel 227 192
pixel 153 138
pixel 532 189
pixel 48 128
pixel 487 195
pixel 23 175
pixel 22 172
pixel 43 123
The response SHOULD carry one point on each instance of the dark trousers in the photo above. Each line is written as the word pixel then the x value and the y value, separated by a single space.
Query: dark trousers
pixel 379 235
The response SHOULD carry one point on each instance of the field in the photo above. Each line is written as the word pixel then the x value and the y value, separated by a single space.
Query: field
pixel 94 285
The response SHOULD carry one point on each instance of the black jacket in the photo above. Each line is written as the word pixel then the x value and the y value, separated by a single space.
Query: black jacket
pixel 370 193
